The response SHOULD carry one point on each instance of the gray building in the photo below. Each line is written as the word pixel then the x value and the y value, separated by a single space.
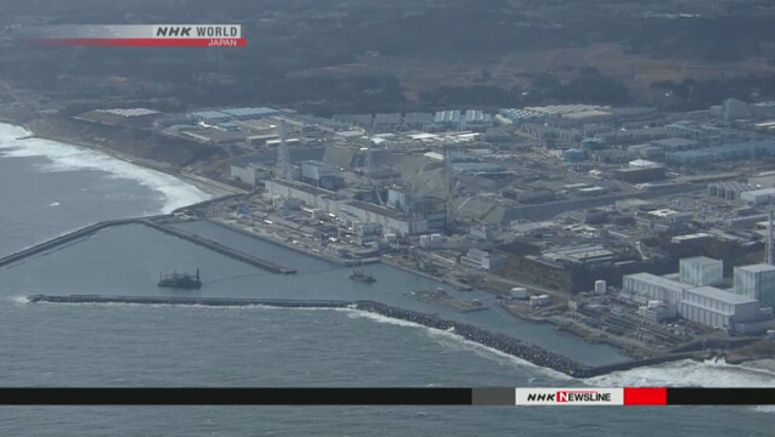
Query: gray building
pixel 482 260
pixel 417 120
pixel 249 113
pixel 247 173
pixel 644 287
pixel 320 174
pixel 756 282
pixel 710 306
pixel 211 117
pixel 311 196
pixel 701 271
pixel 392 220
pixel 386 122
pixel 450 119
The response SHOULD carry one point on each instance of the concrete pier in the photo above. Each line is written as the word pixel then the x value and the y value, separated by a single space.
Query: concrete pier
pixel 62 239
pixel 153 222
pixel 218 247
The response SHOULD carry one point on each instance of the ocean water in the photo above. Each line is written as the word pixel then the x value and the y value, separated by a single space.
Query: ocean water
pixel 47 188
pixel 138 345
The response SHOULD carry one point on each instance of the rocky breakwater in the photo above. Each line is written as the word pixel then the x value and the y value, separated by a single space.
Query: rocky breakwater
pixel 501 342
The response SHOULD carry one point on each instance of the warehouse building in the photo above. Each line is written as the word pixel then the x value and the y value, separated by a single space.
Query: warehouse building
pixel 482 260
pixel 386 122
pixel 710 306
pixel 638 174
pixel 211 117
pixel 320 174
pixel 476 120
pixel 314 197
pixel 587 254
pixel 392 220
pixel 729 190
pixel 450 119
pixel 417 120
pixel 746 150
pixel 249 173
pixel 249 113
pixel 758 197
pixel 670 145
pixel 644 287
pixel 706 305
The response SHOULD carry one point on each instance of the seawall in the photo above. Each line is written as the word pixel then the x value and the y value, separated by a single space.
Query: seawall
pixel 500 342
pixel 153 222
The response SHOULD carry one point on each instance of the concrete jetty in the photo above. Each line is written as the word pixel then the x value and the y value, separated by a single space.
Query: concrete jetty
pixel 155 222
pixel 60 240
pixel 497 341
pixel 218 247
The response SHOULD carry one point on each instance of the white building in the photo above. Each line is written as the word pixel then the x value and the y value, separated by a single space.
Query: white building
pixel 248 173
pixel 393 220
pixel 644 287
pixel 717 308
pixel 756 282
pixel 701 271
pixel 311 196
pixel 482 260
pixel 758 197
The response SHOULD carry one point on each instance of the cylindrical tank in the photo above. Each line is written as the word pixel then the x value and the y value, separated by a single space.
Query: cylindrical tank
pixel 519 292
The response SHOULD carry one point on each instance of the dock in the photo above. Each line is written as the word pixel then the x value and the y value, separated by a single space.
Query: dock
pixel 443 299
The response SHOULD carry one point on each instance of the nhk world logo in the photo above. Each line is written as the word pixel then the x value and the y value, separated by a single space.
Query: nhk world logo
pixel 570 396
pixel 147 35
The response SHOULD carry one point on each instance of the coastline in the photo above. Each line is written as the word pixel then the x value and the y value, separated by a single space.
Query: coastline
pixel 214 191
pixel 496 341
pixel 508 346
pixel 211 190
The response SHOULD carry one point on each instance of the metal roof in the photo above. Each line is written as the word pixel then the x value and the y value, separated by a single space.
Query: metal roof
pixel 721 295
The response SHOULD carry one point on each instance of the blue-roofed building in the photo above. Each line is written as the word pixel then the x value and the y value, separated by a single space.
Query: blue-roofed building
pixel 249 113
pixel 211 117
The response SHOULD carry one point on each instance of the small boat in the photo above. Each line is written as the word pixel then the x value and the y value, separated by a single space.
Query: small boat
pixel 180 280
pixel 360 275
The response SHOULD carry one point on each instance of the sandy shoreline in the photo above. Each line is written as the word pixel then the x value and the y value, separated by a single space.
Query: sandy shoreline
pixel 210 189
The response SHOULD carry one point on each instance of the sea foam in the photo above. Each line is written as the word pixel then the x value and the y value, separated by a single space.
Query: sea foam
pixel 66 157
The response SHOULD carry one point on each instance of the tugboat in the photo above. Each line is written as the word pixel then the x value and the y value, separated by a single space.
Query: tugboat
pixel 180 280
pixel 360 275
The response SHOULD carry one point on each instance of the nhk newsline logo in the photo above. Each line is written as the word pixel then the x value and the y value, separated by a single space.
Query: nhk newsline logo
pixel 570 396
pixel 151 35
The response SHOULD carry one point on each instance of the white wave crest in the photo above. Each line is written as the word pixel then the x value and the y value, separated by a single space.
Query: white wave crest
pixel 687 373
pixel 66 157
pixel 453 340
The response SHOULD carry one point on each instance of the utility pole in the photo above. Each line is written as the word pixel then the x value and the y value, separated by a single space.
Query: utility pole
pixel 283 156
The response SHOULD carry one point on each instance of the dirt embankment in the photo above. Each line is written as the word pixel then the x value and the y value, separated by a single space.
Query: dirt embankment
pixel 135 144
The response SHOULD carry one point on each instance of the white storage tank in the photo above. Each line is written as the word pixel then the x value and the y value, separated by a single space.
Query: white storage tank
pixel 540 300
pixel 519 293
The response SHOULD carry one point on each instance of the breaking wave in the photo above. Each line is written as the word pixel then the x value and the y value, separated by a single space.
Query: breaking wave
pixel 66 157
